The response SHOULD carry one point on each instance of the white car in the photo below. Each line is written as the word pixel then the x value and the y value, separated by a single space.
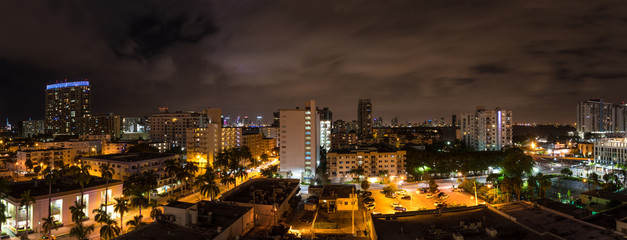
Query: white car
pixel 430 195
pixel 396 204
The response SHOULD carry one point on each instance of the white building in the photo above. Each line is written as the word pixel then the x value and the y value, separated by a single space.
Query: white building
pixel 325 134
pixel 594 115
pixel 299 141
pixel 487 130
pixel 610 151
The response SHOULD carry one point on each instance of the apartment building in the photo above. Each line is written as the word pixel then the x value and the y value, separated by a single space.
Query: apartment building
pixel 487 130
pixel 372 161
pixel 42 157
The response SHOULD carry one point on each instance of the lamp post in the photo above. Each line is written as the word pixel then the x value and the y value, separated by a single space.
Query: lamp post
pixel 475 184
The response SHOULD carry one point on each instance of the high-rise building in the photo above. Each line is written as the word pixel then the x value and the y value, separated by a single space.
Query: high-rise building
pixel 619 114
pixel 171 128
pixel 326 120
pixel 454 120
pixel 106 124
pixel 594 115
pixel 486 130
pixel 32 128
pixel 364 118
pixel 134 124
pixel 299 141
pixel 67 104
pixel 394 122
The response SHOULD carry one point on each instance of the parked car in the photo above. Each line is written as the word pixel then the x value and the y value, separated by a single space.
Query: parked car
pixel 400 209
pixel 430 195
pixel 406 197
pixel 438 203
pixel 401 192
pixel 422 190
pixel 455 189
pixel 445 196
pixel 390 195
pixel 396 204
pixel 369 206
pixel 369 200
pixel 367 194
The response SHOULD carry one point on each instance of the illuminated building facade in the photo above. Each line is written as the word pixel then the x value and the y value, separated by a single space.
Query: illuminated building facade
pixel 610 151
pixel 371 161
pixel 32 128
pixel 487 130
pixel 107 124
pixel 594 115
pixel 299 141
pixel 171 128
pixel 66 105
pixel 326 124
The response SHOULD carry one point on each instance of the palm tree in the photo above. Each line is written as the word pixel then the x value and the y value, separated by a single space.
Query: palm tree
pixel 156 212
pixel 82 177
pixel 27 200
pixel 138 200
pixel 121 206
pixel 4 192
pixel 135 223
pixel 264 157
pixel 240 172
pixel 172 168
pixel 81 232
pixel 101 215
pixel 207 184
pixel 48 225
pixel 50 177
pixel 106 172
pixel 109 229
pixel 78 214
pixel 227 180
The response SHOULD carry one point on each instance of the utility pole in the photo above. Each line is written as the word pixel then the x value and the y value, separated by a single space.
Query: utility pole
pixel 353 197
pixel 475 183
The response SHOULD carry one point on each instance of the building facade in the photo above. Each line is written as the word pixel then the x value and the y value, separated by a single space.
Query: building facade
pixel 43 157
pixel 487 130
pixel 127 164
pixel 610 151
pixel 32 128
pixel 372 161
pixel 107 124
pixel 594 115
pixel 364 118
pixel 171 128
pixel 66 105
pixel 299 141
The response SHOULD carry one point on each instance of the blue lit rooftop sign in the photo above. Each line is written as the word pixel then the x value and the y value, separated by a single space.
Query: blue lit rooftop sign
pixel 67 84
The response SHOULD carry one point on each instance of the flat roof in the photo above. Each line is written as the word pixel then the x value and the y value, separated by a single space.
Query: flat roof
pixel 164 231
pixel 130 157
pixel 266 186
pixel 334 191
pixel 63 184
pixel 222 215
pixel 449 223
pixel 43 150
pixel 545 221
pixel 181 205
pixel 606 195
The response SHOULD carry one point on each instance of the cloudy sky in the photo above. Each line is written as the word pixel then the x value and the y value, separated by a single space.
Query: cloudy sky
pixel 417 60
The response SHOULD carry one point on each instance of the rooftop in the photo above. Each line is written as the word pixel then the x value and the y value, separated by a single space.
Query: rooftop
pixel 337 191
pixel 67 84
pixel 222 215
pixel 606 195
pixel 64 184
pixel 42 150
pixel 164 231
pixel 181 205
pixel 542 220
pixel 565 208
pixel 131 157
pixel 608 218
pixel 266 191
pixel 444 225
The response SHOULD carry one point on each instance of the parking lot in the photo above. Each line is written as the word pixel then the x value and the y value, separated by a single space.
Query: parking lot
pixel 419 201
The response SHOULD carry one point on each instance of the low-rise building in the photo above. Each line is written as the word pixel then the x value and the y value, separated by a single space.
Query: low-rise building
pixel 44 157
pixel 64 193
pixel 372 161
pixel 338 197
pixel 201 220
pixel 269 197
pixel 126 164
pixel 115 148
pixel 601 197
pixel 611 151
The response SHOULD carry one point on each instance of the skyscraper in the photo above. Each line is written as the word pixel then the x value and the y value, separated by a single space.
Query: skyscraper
pixel 326 125
pixel 67 104
pixel 619 113
pixel 299 141
pixel 364 118
pixel 594 115
pixel 487 129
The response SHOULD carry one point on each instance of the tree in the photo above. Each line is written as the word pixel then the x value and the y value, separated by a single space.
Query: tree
pixel 78 214
pixel 432 186
pixel 28 163
pixel 264 157
pixel 101 215
pixel 48 225
pixel 207 185
pixel 50 177
pixel 384 175
pixel 27 200
pixel 82 177
pixel 227 180
pixel 516 165
pixel 359 172
pixel 139 201
pixel 594 178
pixel 106 172
pixel 121 206
pixel 135 223
pixel 4 192
pixel 532 185
pixel 81 232
pixel 544 183
pixel 109 229
pixel 365 185
pixel 270 172
pixel 156 212
pixel 566 171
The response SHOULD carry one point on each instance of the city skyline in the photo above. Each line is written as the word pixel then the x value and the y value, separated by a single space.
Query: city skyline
pixel 414 60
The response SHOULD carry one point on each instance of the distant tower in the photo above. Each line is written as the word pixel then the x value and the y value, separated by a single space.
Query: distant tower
pixel 454 120
pixel 299 141
pixel 326 124
pixel 364 118
pixel 67 104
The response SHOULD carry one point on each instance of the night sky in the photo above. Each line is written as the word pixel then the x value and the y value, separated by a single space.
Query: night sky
pixel 417 60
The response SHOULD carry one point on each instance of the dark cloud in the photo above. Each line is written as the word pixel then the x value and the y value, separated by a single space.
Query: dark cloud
pixel 416 60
